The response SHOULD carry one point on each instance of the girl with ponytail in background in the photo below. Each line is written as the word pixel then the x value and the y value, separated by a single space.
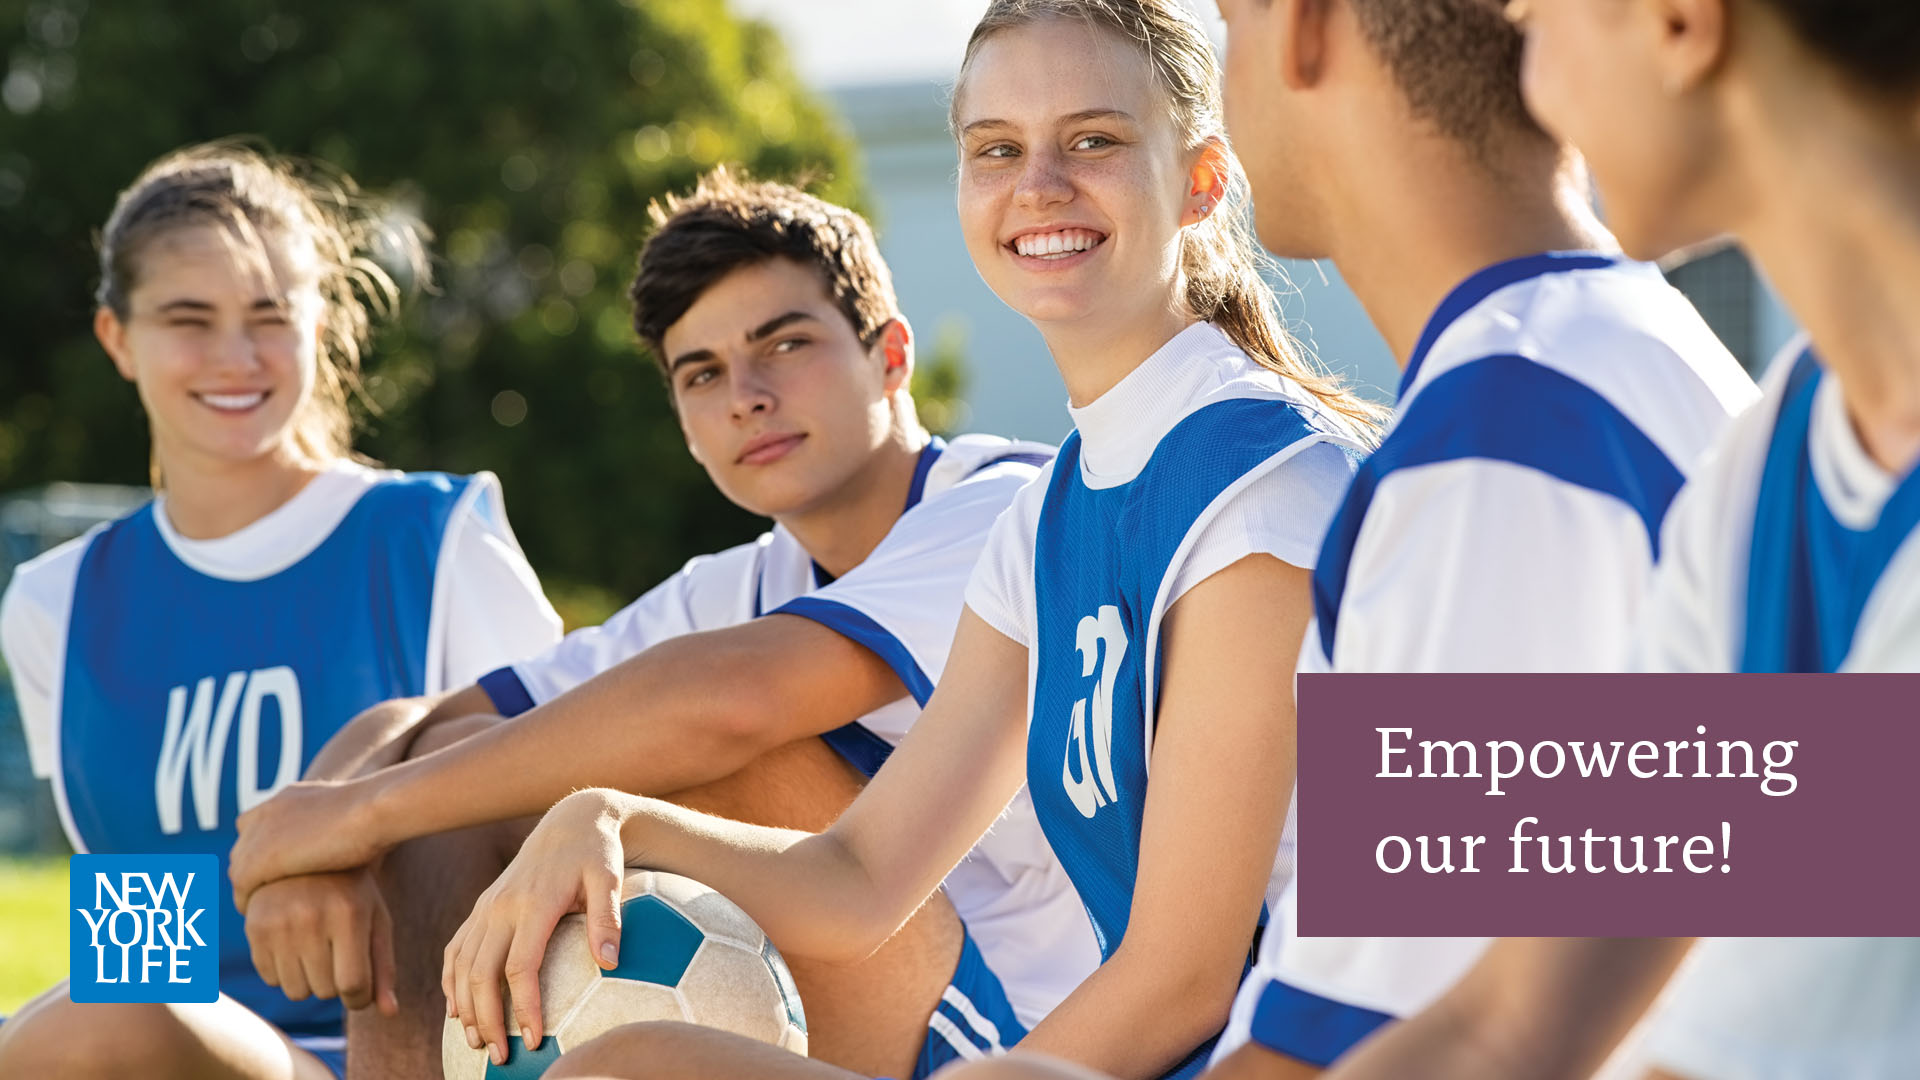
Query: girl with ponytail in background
pixel 178 666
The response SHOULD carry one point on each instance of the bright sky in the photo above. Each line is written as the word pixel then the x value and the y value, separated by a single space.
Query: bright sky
pixel 848 42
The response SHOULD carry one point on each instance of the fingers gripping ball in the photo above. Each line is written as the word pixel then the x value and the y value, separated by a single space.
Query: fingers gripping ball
pixel 686 953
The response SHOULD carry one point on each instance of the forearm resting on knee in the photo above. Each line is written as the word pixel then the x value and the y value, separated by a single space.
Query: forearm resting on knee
pixel 384 734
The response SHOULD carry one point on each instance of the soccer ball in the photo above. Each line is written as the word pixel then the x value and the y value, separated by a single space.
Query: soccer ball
pixel 686 953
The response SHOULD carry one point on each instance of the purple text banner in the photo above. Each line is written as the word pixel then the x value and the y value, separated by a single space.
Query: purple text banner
pixel 1609 805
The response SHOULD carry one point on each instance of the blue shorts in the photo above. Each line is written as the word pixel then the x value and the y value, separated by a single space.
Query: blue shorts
pixel 973 1019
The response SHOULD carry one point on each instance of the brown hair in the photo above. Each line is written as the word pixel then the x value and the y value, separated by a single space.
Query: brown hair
pixel 251 197
pixel 728 222
pixel 1458 63
pixel 1876 42
pixel 1219 257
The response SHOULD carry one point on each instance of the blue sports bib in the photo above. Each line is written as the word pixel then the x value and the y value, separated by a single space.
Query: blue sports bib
pixel 188 699
pixel 1808 576
pixel 1101 558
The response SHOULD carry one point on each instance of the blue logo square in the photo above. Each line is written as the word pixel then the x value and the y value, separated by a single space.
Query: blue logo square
pixel 145 928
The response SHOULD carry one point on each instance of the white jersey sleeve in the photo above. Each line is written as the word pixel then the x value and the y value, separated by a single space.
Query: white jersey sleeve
pixel 711 591
pixel 1000 590
pixel 1480 549
pixel 903 601
pixel 33 640
pixel 489 609
pixel 1691 610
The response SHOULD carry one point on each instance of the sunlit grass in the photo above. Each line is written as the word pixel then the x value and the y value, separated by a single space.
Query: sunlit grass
pixel 33 927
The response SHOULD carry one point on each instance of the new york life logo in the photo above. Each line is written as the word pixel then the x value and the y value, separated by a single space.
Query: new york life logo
pixel 145 929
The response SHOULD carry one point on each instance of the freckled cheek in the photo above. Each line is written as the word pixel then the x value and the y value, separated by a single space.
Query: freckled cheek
pixel 982 203
pixel 1123 186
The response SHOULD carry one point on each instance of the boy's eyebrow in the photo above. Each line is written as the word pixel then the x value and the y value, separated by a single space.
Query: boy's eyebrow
pixel 775 325
pixel 1080 117
pixel 695 356
pixel 759 333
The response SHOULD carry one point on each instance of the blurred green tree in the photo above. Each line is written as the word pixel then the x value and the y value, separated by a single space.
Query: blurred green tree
pixel 528 136
pixel 940 379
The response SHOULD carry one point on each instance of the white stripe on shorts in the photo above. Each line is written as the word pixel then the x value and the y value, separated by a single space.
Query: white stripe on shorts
pixel 982 1026
pixel 951 1032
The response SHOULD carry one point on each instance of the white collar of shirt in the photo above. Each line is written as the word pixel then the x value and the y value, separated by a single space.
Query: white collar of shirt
pixel 1853 485
pixel 786 568
pixel 279 539
pixel 1120 429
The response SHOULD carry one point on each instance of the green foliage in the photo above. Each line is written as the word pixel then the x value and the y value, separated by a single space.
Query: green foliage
pixel 529 136
pixel 940 380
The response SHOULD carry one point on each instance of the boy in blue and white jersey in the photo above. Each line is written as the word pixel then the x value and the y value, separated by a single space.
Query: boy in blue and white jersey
pixel 1552 405
pixel 1509 521
pixel 766 682
pixel 900 603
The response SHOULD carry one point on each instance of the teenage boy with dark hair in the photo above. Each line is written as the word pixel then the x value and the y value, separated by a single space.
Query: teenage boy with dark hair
pixel 1555 397
pixel 764 683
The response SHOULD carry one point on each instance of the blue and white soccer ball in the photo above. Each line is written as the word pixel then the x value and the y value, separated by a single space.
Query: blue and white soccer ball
pixel 686 953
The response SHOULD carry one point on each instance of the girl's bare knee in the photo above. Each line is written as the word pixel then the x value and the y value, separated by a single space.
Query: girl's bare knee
pixel 53 1036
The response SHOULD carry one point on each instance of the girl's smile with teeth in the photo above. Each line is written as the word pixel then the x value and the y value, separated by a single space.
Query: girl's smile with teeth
pixel 1056 245
pixel 232 402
